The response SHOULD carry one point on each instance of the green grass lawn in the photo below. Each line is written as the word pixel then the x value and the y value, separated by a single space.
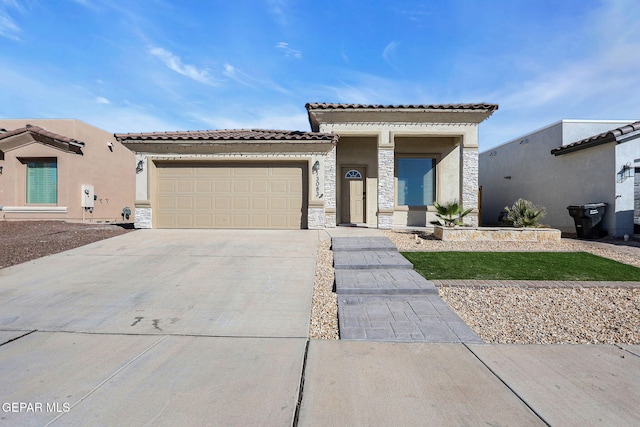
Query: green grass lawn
pixel 520 266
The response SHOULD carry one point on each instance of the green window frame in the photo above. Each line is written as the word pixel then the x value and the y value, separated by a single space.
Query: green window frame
pixel 416 181
pixel 42 181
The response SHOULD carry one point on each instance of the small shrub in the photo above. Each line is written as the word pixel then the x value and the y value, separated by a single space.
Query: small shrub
pixel 450 213
pixel 524 213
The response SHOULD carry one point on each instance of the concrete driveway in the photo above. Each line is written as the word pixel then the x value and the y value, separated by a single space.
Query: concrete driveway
pixel 158 327
pixel 193 282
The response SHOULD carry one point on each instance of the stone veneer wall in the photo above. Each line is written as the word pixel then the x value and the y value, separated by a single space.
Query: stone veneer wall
pixel 142 218
pixel 315 218
pixel 385 187
pixel 496 234
pixel 470 183
pixel 330 189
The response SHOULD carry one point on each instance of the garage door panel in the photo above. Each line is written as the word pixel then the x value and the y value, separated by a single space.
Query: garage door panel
pixel 229 196
pixel 184 220
pixel 259 203
pixel 184 203
pixel 241 186
pixel 166 186
pixel 222 203
pixel 279 204
pixel 240 203
pixel 260 187
pixel 240 220
pixel 260 221
pixel 185 186
pixel 204 186
pixel 204 221
pixel 222 185
pixel 166 203
pixel 203 203
pixel 222 221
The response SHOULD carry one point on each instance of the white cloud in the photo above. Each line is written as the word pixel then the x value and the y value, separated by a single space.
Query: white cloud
pixel 250 81
pixel 388 52
pixel 102 100
pixel 234 74
pixel 8 26
pixel 277 9
pixel 288 51
pixel 175 63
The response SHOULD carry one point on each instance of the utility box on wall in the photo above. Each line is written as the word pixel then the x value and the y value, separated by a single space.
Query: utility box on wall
pixel 87 196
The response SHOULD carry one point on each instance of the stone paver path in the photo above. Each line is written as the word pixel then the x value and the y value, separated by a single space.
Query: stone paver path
pixel 381 297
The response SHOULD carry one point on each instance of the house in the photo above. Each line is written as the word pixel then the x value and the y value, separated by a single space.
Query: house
pixel 571 162
pixel 370 165
pixel 64 170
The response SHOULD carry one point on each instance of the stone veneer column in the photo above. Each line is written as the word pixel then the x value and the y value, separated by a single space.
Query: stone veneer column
pixel 315 218
pixel 142 218
pixel 470 183
pixel 330 189
pixel 386 192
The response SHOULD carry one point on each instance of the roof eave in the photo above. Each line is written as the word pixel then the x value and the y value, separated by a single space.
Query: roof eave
pixel 572 148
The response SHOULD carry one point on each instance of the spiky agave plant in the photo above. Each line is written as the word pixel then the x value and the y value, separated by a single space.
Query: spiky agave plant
pixel 524 213
pixel 450 213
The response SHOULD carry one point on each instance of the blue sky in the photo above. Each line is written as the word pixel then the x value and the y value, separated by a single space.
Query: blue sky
pixel 158 65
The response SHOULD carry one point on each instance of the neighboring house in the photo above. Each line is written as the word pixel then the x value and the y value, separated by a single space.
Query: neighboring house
pixel 370 165
pixel 572 162
pixel 64 170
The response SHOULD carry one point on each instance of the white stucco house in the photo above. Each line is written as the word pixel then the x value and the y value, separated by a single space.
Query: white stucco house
pixel 369 165
pixel 571 162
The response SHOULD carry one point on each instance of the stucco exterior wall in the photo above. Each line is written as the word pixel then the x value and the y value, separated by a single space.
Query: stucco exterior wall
pixel 525 168
pixel 111 172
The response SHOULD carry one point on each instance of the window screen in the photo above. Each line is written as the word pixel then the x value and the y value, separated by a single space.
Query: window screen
pixel 42 182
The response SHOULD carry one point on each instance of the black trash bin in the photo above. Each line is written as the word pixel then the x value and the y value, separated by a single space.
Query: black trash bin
pixel 588 219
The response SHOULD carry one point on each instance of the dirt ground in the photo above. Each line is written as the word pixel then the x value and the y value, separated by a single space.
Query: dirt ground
pixel 22 241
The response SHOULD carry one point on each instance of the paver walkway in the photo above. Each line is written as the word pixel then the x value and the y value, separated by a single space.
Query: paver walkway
pixel 381 297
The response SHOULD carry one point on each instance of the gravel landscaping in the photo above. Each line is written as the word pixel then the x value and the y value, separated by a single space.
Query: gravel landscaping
pixel 502 314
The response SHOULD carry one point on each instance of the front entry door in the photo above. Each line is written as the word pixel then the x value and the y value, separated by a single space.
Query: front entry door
pixel 353 195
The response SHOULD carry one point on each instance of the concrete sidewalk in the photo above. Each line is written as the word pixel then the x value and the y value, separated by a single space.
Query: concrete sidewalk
pixel 359 383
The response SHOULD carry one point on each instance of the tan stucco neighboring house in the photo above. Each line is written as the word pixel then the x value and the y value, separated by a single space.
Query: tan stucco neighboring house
pixel 370 165
pixel 59 169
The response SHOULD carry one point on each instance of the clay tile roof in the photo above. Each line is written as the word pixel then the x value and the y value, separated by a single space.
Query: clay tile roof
pixel 602 138
pixel 38 131
pixel 330 106
pixel 229 135
pixel 45 137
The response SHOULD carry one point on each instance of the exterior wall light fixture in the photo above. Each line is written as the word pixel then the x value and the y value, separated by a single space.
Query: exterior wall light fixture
pixel 1 167
pixel 140 166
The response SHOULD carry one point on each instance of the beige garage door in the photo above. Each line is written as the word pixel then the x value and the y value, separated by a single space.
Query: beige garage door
pixel 230 196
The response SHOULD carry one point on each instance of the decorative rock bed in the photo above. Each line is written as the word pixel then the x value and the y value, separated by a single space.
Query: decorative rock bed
pixel 496 234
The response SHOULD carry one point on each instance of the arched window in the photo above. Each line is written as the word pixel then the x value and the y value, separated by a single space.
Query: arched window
pixel 353 174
